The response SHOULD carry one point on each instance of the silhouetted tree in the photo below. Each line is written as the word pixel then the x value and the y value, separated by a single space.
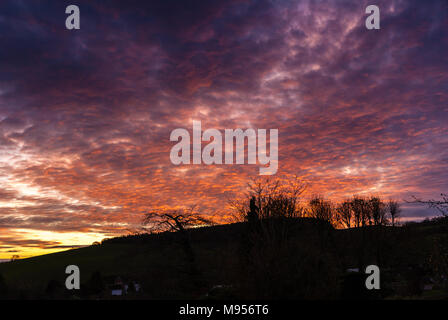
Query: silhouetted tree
pixel 361 211
pixel 377 210
pixel 321 209
pixel 440 205
pixel 176 221
pixel 273 260
pixel 394 210
pixel 271 198
pixel 356 205
pixel 252 215
pixel 345 213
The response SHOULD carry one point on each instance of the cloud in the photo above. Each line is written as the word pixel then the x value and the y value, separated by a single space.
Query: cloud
pixel 85 116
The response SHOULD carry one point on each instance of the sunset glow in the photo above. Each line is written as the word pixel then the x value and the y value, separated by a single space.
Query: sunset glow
pixel 86 115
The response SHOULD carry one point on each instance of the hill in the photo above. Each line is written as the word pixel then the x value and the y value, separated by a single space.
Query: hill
pixel 287 259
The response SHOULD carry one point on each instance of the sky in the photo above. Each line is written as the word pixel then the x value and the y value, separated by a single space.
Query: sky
pixel 86 115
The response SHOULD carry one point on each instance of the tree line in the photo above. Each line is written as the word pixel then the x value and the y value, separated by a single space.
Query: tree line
pixel 274 199
pixel 356 212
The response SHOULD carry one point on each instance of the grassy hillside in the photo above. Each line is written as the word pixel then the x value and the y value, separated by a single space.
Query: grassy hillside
pixel 297 259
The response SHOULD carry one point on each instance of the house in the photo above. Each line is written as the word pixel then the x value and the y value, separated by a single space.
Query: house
pixel 121 288
pixel 117 290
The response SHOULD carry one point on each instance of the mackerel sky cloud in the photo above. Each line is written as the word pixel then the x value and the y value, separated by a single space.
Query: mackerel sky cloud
pixel 86 115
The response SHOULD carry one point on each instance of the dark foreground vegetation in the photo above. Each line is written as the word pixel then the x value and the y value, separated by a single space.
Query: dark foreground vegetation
pixel 297 258
pixel 281 249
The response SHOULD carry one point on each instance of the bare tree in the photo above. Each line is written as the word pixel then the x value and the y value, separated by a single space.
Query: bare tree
pixel 367 211
pixel 359 207
pixel 321 209
pixel 271 198
pixel 176 221
pixel 394 210
pixel 268 206
pixel 377 211
pixel 440 205
pixel 345 213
